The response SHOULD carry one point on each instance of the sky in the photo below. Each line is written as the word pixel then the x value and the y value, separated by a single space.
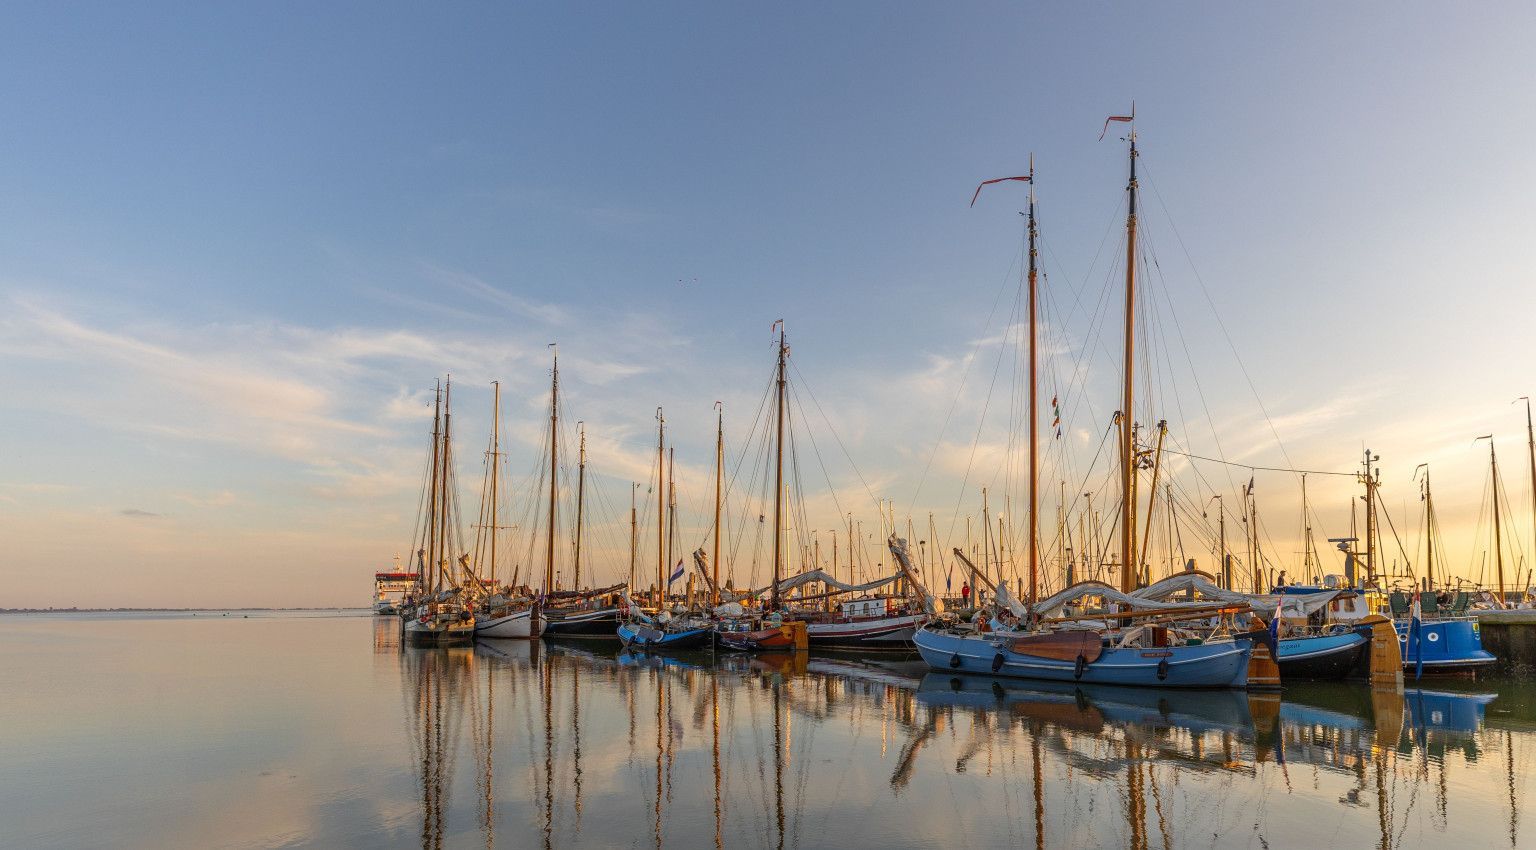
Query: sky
pixel 239 243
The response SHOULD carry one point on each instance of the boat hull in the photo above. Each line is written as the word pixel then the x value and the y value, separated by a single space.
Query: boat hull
pixel 874 633
pixel 439 632
pixel 776 638
pixel 594 624
pixel 516 625
pixel 1209 665
pixel 1449 647
pixel 1321 656
pixel 645 637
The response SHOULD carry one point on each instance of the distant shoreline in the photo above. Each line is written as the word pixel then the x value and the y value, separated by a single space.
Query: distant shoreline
pixel 158 610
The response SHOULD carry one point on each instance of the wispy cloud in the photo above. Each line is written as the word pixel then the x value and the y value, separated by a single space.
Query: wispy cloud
pixel 138 514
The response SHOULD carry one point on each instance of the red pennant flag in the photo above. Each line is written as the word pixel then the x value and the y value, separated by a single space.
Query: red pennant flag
pixel 1023 179
pixel 1125 118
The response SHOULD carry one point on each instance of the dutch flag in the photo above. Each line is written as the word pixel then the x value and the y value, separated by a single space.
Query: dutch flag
pixel 677 573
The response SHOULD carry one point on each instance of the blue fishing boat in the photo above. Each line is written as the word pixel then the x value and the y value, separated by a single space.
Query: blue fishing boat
pixel 1326 656
pixel 640 635
pixel 1081 656
pixel 1443 646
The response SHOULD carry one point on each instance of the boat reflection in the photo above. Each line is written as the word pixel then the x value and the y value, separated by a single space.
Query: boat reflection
pixel 777 749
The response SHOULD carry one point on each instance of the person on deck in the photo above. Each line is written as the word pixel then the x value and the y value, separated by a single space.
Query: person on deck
pixel 965 594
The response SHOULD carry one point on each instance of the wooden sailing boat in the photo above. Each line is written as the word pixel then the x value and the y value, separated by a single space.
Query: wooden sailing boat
pixel 499 614
pixel 869 621
pixel 663 631
pixel 576 613
pixel 441 614
pixel 1135 657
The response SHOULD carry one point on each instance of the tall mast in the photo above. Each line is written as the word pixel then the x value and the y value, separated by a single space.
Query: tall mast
pixel 443 503
pixel 1429 531
pixel 661 507
pixel 1306 542
pixel 1034 409
pixel 581 491
pixel 495 471
pixel 1370 518
pixel 1498 538
pixel 1128 560
pixel 778 481
pixel 671 506
pixel 428 580
pixel 1530 435
pixel 554 468
pixel 634 533
pixel 714 563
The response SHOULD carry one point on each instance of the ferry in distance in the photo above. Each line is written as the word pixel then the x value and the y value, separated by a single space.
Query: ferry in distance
pixel 389 588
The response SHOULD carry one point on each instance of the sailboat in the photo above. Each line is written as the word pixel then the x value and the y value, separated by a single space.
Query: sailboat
pixel 1074 651
pixel 574 613
pixel 440 614
pixel 664 631
pixel 868 621
pixel 499 613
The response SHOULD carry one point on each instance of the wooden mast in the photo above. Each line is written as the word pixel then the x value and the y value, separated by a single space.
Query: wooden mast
pixel 1128 560
pixel 671 510
pixel 1530 435
pixel 581 490
pixel 1034 406
pixel 714 562
pixel 428 578
pixel 634 533
pixel 1498 538
pixel 661 507
pixel 1370 518
pixel 1429 530
pixel 1306 542
pixel 495 471
pixel 443 504
pixel 554 468
pixel 778 481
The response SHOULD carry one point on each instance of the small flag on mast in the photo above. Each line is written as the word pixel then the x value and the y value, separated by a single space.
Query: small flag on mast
pixel 1125 118
pixel 676 573
pixel 1023 178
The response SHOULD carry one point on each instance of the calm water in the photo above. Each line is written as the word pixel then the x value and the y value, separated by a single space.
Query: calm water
pixel 287 730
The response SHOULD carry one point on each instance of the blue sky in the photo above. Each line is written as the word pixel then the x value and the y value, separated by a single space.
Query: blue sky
pixel 239 242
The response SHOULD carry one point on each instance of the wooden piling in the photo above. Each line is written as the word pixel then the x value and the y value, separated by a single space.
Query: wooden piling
pixel 798 637
pixel 1386 655
pixel 1263 670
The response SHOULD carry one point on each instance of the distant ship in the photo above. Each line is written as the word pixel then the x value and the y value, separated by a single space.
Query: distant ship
pixel 390 588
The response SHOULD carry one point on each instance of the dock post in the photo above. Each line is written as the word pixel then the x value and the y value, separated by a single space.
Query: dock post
pixel 1263 670
pixel 798 637
pixel 1386 655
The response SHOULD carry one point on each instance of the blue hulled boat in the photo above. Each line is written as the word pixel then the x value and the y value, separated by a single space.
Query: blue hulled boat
pixel 1329 656
pixel 1080 656
pixel 1445 646
pixel 640 635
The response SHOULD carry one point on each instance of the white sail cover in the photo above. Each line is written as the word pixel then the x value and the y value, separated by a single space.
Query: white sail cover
pixel 1051 605
pixel 898 547
pixel 1007 600
pixel 1297 605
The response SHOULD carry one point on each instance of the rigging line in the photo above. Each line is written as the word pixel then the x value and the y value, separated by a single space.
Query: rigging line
pixel 831 489
pixel 981 422
pixel 1167 450
pixel 808 391
pixel 1219 323
pixel 964 378
pixel 1195 376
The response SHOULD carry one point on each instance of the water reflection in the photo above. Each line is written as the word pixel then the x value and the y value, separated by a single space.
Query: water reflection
pixel 576 746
